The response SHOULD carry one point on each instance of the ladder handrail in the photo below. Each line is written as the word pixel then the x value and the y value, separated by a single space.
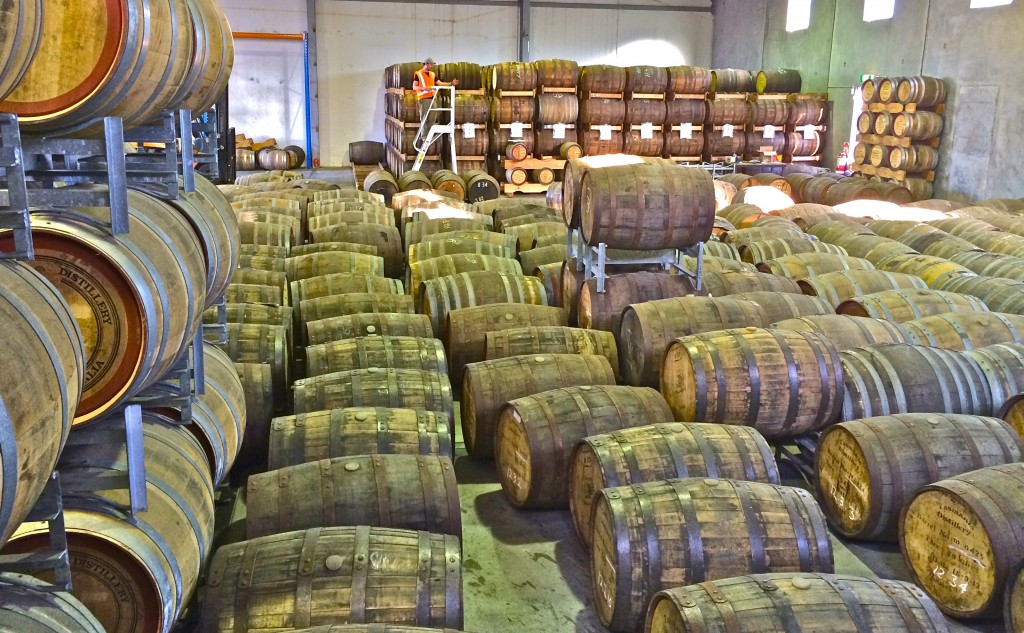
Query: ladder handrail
pixel 422 145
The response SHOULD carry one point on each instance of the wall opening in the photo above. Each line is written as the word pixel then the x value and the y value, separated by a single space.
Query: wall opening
pixel 878 9
pixel 798 15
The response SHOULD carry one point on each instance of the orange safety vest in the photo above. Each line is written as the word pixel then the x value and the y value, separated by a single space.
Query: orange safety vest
pixel 426 80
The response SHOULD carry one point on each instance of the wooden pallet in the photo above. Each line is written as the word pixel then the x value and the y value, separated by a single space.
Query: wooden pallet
pixel 653 96
pixel 400 123
pixel 896 108
pixel 715 96
pixel 684 159
pixel 896 141
pixel 528 187
pixel 600 95
pixel 534 163
pixel 683 95
pixel 557 89
pixel 513 93
pixel 895 174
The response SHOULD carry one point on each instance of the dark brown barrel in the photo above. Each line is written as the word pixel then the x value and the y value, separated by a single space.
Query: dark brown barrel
pixel 906 452
pixel 603 310
pixel 910 304
pixel 733 80
pixel 397 352
pixel 421 584
pixel 961 538
pixel 1000 295
pixel 310 437
pixel 572 182
pixel 535 435
pixel 728 112
pixel 41 339
pixel 1013 610
pixel 466 329
pixel 446 265
pixel 137 297
pixel 252 343
pixel 488 385
pixel 376 387
pixel 965 330
pixel 734 282
pixel 602 78
pixel 552 339
pixel 688 80
pixel 1003 365
pixel 384 237
pixel 353 303
pixel 772 112
pixel 480 186
pixel 219 414
pixel 325 263
pixel 134 574
pixel 885 379
pixel 808 112
pixel 367 324
pixel 556 107
pixel 465 290
pixel 676 146
pixel 845 331
pixel 665 450
pixel 899 607
pixel 510 109
pixel 668 534
pixel 685 111
pixel 778 80
pixel 781 382
pixel 594 144
pixel 646 79
pixel 455 245
pixel 684 216
pixel 343 283
pixel 258 385
pixel 557 73
pixel 410 492
pixel 841 286
pixel 31 605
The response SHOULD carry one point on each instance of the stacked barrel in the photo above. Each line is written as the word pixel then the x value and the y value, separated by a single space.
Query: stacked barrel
pixel 512 88
pixel 602 109
pixel 646 111
pixel 555 133
pixel 685 111
pixel 402 121
pixel 899 131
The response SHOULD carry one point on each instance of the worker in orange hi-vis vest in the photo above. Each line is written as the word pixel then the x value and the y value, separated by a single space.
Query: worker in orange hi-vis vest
pixel 423 82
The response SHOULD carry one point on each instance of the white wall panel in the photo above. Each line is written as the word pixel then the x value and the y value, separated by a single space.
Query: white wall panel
pixel 266 91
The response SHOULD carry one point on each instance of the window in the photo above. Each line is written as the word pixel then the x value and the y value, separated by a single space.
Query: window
pixel 981 4
pixel 798 15
pixel 878 9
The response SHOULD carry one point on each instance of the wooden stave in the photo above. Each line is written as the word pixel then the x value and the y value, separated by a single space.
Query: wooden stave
pixel 31 605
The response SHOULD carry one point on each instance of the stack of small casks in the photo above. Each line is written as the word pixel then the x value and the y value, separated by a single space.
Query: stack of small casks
pixel 138 299
pixel 472 109
pixel 370 414
pixel 727 113
pixel 602 109
pixel 646 111
pixel 899 131
pixel 685 111
pixel 512 87
pixel 798 119
pixel 555 133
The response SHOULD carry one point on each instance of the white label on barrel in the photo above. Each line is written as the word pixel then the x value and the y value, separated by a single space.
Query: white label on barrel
pixel 769 131
pixel 604 132
pixel 727 131
pixel 558 131
pixel 686 130
pixel 809 132
pixel 468 130
pixel 516 130
pixel 646 130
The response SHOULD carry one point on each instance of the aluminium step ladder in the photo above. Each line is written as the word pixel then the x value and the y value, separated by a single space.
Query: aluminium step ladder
pixel 437 130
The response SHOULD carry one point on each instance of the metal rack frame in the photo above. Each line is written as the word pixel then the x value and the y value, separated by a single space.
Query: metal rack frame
pixel 592 259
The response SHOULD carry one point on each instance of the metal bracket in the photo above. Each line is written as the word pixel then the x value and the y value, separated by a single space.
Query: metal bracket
pixel 49 508
pixel 217 333
pixel 799 452
pixel 593 259
pixel 14 213
pixel 201 130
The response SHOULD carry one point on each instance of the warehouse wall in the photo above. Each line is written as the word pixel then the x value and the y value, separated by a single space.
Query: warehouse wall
pixel 976 51
pixel 267 82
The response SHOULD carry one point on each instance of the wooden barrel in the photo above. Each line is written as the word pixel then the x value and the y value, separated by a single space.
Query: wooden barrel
pixel 451 246
pixel 416 232
pixel 213 221
pixel 688 80
pixel 258 385
pixel 20 42
pixel 909 304
pixel 263 250
pixel 927 267
pixel 31 605
pixel 37 325
pixel 1000 295
pixel 376 387
pixel 245 159
pixel 535 434
pixel 666 450
pixel 780 382
pixel 778 80
pixel 513 76
pixel 602 78
pixel 841 286
pixel 1003 365
pixel 343 283
pixel 535 257
pixel 410 492
pixel 665 534
pixel 327 262
pixel 734 282
pixel 907 452
pixel 412 180
pixel 121 290
pixel 556 107
pixel 367 324
pixel 776 306
pixel 649 327
pixel 488 385
pixel 552 339
pixel 557 73
pixel 771 248
pixel 991 264
pixel 603 310
pixel 466 329
pixel 885 379
pixel 219 414
pixel 845 331
pixel 550 276
pixel 262 233
pixel 854 603
pixel 259 262
pixel 380 181
pixel 330 247
pixel 331 216
pixel 137 574
pixel 353 303
pixel 728 112
pixel 924 91
pixel 646 79
pixel 465 290
pixel 397 352
pixel 255 294
pixel 384 237
pixel 733 80
pixel 310 437
pixel 1013 611
pixel 806 265
pixel 965 330
pixel 251 343
pixel 965 564
pixel 866 123
pixel 446 265
pixel 303 577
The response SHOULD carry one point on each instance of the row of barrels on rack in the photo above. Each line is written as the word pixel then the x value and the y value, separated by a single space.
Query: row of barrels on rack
pixel 270 158
pixel 96 320
pixel 182 50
